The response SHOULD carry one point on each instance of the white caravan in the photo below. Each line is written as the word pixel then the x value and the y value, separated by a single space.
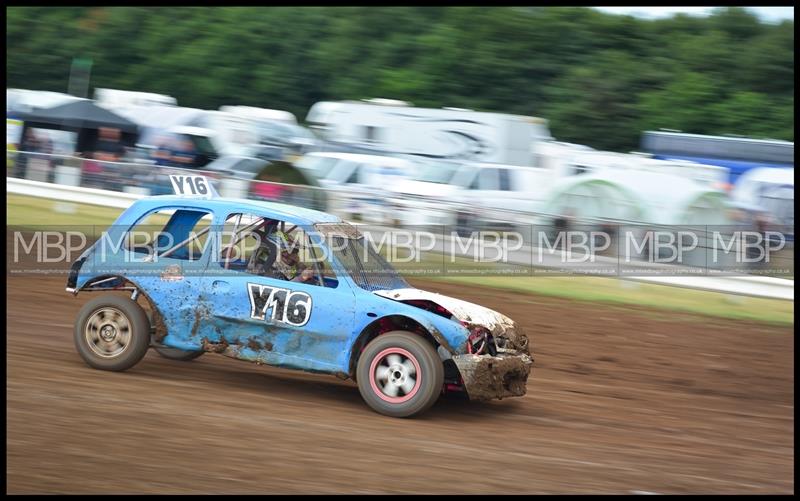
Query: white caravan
pixel 111 98
pixel 447 133
pixel 769 189
pixel 259 114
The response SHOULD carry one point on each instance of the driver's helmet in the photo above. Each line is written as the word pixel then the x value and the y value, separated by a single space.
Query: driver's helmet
pixel 286 244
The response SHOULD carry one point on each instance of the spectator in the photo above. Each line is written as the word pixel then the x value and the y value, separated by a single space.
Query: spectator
pixel 34 146
pixel 185 155
pixel 109 148
pixel 163 151
pixel 45 145
pixel 30 144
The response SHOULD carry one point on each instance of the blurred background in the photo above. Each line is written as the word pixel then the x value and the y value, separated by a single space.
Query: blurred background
pixel 488 108
pixel 470 118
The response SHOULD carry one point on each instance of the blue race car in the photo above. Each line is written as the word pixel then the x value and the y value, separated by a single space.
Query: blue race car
pixel 285 286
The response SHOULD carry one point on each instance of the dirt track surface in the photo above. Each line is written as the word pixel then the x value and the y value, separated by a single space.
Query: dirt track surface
pixel 619 401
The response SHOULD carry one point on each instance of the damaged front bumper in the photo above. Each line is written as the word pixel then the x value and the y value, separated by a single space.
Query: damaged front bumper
pixel 486 377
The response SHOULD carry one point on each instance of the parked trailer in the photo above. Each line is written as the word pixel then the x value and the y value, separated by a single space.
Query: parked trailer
pixel 447 133
pixel 739 154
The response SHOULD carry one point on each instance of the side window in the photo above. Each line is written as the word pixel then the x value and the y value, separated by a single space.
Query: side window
pixel 319 257
pixel 488 179
pixel 372 133
pixel 505 179
pixel 238 240
pixel 355 176
pixel 274 249
pixel 342 171
pixel 320 166
pixel 176 234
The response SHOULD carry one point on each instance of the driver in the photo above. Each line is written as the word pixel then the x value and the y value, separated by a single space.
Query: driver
pixel 289 264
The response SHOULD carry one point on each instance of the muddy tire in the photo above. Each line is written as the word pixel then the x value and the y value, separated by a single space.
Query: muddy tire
pixel 112 333
pixel 177 354
pixel 400 374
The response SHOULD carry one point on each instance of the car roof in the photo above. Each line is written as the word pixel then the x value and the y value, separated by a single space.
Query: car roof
pixel 285 212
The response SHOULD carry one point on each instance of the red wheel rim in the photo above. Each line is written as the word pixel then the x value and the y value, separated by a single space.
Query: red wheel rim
pixel 395 376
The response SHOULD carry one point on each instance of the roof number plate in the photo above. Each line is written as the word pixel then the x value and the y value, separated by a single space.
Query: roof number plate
pixel 192 185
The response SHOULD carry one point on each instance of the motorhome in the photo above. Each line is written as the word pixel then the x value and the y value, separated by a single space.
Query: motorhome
pixel 446 133
pixel 115 97
pixel 255 113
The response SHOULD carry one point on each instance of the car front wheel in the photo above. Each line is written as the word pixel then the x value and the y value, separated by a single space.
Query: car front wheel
pixel 112 333
pixel 400 374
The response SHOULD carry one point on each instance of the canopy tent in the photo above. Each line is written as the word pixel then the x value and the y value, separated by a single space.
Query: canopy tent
pixel 20 101
pixel 592 196
pixel 662 202
pixel 84 118
pixel 641 196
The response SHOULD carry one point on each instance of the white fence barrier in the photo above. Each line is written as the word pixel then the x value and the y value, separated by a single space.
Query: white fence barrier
pixel 766 287
pixel 76 194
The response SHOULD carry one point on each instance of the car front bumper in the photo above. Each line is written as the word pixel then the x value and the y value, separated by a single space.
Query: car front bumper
pixel 487 377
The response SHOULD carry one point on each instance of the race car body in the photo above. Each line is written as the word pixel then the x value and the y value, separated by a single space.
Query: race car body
pixel 290 287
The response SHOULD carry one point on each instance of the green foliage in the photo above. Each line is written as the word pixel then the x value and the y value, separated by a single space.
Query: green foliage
pixel 599 78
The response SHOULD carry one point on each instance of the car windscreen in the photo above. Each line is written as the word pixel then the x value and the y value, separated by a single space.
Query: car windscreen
pixel 319 166
pixel 225 163
pixel 251 165
pixel 204 146
pixel 359 259
pixel 274 131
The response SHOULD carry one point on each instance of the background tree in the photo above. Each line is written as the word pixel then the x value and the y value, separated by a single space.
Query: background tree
pixel 599 78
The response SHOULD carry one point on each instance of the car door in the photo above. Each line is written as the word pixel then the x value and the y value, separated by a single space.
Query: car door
pixel 168 264
pixel 275 321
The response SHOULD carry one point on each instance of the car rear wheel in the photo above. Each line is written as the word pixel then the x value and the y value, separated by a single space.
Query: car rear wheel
pixel 112 333
pixel 400 374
